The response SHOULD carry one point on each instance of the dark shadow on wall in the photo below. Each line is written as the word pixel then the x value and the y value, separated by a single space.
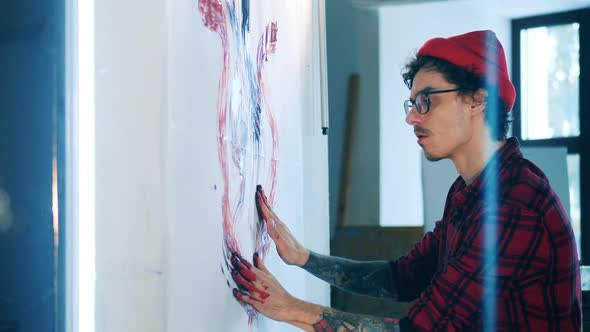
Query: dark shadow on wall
pixel 30 74
pixel 366 243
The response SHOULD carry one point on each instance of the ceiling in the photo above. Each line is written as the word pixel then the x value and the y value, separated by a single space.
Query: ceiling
pixel 382 3
pixel 519 8
pixel 505 8
pixel 21 17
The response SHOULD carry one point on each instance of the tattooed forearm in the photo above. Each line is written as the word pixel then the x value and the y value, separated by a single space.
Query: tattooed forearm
pixel 366 278
pixel 336 321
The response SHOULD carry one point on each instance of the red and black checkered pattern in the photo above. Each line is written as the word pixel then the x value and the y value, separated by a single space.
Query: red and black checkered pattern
pixel 535 267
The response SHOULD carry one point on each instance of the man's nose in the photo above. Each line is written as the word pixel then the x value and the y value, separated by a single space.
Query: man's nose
pixel 413 118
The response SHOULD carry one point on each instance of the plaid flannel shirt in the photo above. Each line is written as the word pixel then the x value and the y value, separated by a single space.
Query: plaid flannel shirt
pixel 536 270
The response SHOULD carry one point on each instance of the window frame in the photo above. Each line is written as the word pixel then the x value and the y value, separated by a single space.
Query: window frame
pixel 575 145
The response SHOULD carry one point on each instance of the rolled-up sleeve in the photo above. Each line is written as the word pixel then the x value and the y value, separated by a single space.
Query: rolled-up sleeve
pixel 413 272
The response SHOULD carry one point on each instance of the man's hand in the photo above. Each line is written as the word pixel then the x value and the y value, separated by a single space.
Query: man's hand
pixel 288 248
pixel 260 289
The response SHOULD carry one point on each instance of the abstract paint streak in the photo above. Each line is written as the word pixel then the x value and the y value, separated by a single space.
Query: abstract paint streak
pixel 247 155
pixel 267 45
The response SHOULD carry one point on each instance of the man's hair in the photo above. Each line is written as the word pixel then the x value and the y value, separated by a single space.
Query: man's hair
pixel 468 83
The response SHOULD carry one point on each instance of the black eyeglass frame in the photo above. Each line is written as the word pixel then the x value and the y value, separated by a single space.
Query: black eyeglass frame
pixel 409 103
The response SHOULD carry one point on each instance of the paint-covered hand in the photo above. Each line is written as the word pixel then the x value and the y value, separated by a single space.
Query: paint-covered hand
pixel 260 289
pixel 288 248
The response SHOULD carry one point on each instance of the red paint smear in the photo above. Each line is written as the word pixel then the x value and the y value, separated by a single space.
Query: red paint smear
pixel 212 11
pixel 213 14
pixel 214 18
pixel 240 280
pixel 266 46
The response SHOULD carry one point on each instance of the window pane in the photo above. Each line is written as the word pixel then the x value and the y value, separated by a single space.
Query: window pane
pixel 550 72
pixel 573 170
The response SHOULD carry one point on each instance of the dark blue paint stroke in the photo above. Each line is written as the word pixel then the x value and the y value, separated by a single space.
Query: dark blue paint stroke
pixel 252 87
pixel 257 119
pixel 245 17
pixel 255 96
pixel 231 12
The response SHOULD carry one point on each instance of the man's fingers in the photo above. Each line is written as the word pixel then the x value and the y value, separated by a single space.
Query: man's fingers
pixel 259 264
pixel 243 269
pixel 276 228
pixel 263 200
pixel 265 207
pixel 272 230
pixel 270 218
pixel 245 299
pixel 259 206
pixel 241 281
pixel 270 223
pixel 246 285
pixel 271 214
pixel 260 191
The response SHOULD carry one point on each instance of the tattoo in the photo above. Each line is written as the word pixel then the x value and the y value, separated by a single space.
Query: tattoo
pixel 373 278
pixel 336 321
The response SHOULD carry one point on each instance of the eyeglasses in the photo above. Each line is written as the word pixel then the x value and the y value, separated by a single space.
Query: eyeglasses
pixel 422 101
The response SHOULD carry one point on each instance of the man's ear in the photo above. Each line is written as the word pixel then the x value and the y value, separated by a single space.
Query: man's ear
pixel 479 101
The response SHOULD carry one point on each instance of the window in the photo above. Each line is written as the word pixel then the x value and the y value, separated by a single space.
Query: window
pixel 551 67
pixel 550 81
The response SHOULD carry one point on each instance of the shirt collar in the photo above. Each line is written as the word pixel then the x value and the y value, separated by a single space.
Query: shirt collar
pixel 509 151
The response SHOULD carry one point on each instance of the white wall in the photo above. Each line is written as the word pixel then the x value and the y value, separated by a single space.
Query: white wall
pixel 439 177
pixel 197 294
pixel 130 210
pixel 364 197
pixel 158 230
pixel 402 30
pixel 315 171
pixel 341 55
pixel 353 47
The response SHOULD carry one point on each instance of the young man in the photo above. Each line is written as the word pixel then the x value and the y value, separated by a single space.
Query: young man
pixel 503 256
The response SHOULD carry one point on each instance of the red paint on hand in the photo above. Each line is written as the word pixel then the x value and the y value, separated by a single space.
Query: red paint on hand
pixel 238 295
pixel 242 269
pixel 256 259
pixel 259 202
pixel 243 261
pixel 261 215
pixel 243 283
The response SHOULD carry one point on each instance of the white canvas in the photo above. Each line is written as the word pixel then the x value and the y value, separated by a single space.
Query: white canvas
pixel 199 296
pixel 159 235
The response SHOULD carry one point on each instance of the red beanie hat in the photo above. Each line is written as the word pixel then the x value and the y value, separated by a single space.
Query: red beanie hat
pixel 479 52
